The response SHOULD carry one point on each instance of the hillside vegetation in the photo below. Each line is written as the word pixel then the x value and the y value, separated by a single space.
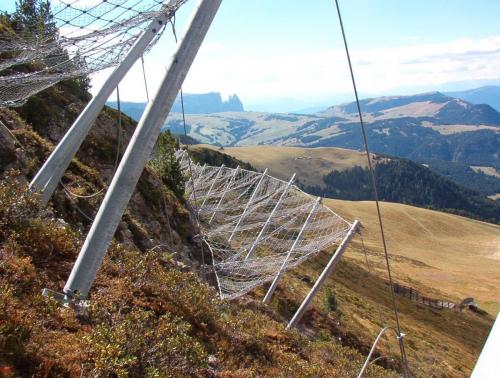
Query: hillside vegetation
pixel 485 180
pixel 455 255
pixel 150 313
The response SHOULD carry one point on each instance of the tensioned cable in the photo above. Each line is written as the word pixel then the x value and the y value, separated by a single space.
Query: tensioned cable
pixel 144 76
pixel 375 195
pixel 119 129
pixel 119 141
pixel 364 251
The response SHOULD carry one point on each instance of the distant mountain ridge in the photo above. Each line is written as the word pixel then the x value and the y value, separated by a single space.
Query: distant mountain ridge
pixel 205 103
pixel 443 109
pixel 489 94
pixel 419 127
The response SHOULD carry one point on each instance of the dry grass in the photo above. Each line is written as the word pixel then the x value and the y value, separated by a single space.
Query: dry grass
pixel 455 129
pixel 490 171
pixel 439 343
pixel 310 164
pixel 443 256
pixel 457 255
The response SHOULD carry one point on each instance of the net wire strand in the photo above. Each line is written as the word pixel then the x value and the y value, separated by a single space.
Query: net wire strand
pixel 82 37
pixel 220 210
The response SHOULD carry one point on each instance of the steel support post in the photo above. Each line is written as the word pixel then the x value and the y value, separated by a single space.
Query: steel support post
pixel 48 177
pixel 226 189
pixel 326 272
pixel 199 174
pixel 137 153
pixel 183 155
pixel 211 187
pixel 276 207
pixel 276 280
pixel 249 203
pixel 198 177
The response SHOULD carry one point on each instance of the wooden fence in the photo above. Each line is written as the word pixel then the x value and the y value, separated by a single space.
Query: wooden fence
pixel 414 295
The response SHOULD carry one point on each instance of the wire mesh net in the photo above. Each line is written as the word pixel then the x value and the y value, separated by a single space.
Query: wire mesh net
pixel 70 39
pixel 255 224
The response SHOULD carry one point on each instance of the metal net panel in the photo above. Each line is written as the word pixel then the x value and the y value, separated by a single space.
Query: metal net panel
pixel 250 221
pixel 77 37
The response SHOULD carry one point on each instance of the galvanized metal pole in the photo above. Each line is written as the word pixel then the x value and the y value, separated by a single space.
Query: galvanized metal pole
pixel 137 153
pixel 250 201
pixel 264 228
pixel 211 187
pixel 226 189
pixel 48 177
pixel 203 168
pixel 183 155
pixel 276 280
pixel 326 272
pixel 195 181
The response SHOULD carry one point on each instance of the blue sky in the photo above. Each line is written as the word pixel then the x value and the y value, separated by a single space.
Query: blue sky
pixel 290 52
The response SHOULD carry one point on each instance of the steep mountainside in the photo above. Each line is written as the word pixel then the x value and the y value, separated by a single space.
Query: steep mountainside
pixel 425 126
pixel 205 103
pixel 489 94
pixel 485 180
pixel 147 315
pixel 150 311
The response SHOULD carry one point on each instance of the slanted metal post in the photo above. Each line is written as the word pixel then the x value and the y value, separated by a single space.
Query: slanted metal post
pixel 274 284
pixel 326 272
pixel 194 182
pixel 264 228
pixel 48 177
pixel 183 155
pixel 211 187
pixel 198 177
pixel 250 201
pixel 226 189
pixel 137 153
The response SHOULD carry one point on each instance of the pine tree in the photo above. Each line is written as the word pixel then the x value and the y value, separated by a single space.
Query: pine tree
pixel 166 165
pixel 35 18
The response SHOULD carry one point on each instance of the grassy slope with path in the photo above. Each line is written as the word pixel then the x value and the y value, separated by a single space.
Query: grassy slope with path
pixel 310 164
pixel 457 255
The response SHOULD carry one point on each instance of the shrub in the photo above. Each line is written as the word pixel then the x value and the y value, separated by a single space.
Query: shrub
pixel 330 301
pixel 17 204
pixel 138 343
pixel 165 164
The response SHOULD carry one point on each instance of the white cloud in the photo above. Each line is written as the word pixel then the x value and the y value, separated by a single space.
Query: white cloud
pixel 256 76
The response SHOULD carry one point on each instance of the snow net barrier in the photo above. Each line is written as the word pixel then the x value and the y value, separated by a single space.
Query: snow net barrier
pixel 71 38
pixel 256 225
